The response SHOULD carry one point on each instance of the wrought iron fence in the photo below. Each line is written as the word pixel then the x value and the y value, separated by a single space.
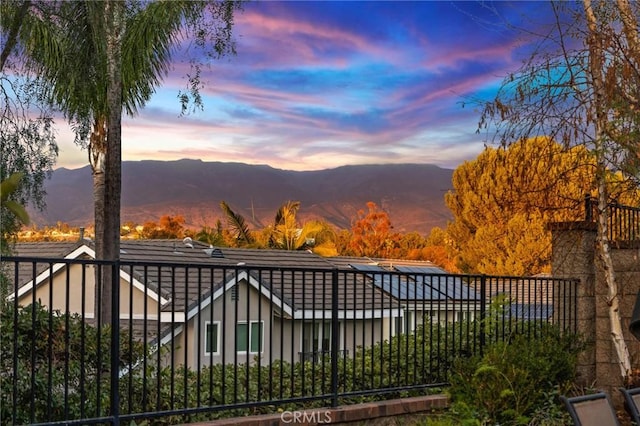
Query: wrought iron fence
pixel 623 222
pixel 200 341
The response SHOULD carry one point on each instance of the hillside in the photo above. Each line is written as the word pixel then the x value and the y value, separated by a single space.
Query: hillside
pixel 412 194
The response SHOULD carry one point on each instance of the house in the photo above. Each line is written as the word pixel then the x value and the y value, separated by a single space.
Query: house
pixel 212 305
pixel 427 292
pixel 524 298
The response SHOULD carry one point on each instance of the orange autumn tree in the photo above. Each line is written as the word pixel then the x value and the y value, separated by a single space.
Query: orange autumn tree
pixel 437 248
pixel 503 200
pixel 168 227
pixel 371 234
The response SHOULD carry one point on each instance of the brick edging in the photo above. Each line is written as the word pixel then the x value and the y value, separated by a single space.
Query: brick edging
pixel 342 414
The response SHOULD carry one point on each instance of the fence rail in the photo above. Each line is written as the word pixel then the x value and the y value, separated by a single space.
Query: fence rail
pixel 623 222
pixel 193 341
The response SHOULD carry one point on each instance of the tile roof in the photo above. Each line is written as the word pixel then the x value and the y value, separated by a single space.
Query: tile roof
pixel 184 275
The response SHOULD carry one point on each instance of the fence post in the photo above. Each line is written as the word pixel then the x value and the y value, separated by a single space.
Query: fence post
pixel 588 211
pixel 115 343
pixel 335 338
pixel 483 312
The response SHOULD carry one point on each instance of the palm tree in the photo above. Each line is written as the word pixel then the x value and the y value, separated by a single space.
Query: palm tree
pixel 285 233
pixel 238 226
pixel 99 58
pixel 213 236
pixel 285 229
pixel 288 234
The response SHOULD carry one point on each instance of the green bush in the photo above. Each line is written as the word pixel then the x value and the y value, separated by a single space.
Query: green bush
pixel 54 366
pixel 516 381
pixel 60 375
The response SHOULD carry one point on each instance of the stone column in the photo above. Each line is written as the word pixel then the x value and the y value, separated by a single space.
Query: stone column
pixel 573 254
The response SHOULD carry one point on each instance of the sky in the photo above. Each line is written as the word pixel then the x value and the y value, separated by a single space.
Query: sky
pixel 318 85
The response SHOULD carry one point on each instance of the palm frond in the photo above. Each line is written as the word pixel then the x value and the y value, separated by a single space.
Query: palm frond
pixel 146 50
pixel 286 212
pixel 317 231
pixel 237 224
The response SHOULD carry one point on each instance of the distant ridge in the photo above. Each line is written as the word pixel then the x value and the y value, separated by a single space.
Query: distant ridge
pixel 412 194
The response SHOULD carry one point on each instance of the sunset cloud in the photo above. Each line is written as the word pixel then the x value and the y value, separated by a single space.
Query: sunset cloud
pixel 324 84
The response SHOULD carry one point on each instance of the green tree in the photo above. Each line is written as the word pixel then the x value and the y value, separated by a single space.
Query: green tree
pixel 28 145
pixel 101 57
pixel 580 87
pixel 53 365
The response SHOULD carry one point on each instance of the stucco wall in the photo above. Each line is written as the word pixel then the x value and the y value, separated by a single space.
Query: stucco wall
pixel 74 286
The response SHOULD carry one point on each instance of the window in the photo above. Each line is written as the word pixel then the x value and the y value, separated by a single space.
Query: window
pixel 211 338
pixel 409 321
pixel 434 316
pixel 249 336
pixel 317 336
pixel 398 323
pixel 462 316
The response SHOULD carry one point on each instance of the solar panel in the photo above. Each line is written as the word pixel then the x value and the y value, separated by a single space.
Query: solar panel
pixel 448 286
pixel 367 268
pixel 528 312
pixel 402 287
pixel 420 269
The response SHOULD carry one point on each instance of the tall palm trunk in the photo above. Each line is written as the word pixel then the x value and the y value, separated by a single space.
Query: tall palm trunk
pixel 107 173
pixel 97 151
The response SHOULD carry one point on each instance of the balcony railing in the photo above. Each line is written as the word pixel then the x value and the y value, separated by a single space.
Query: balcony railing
pixel 623 222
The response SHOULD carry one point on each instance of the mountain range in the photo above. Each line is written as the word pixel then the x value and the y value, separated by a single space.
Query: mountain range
pixel 412 194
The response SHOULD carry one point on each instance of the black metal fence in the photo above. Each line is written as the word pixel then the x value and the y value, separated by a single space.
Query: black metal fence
pixel 623 222
pixel 194 341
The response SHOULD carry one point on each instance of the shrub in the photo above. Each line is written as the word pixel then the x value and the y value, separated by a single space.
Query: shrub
pixel 516 380
pixel 54 366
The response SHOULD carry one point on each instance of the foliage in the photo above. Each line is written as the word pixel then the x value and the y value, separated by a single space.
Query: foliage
pixel 438 248
pixel 517 380
pixel 580 87
pixel 287 234
pixel 371 233
pixel 221 387
pixel 97 59
pixel 214 236
pixel 557 93
pixel 62 365
pixel 238 225
pixel 503 200
pixel 28 147
pixel 8 187
pixel 168 227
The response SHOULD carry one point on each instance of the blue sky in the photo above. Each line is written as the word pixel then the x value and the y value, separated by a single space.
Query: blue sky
pixel 318 85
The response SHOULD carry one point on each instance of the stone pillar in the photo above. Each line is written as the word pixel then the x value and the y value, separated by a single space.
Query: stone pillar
pixel 573 254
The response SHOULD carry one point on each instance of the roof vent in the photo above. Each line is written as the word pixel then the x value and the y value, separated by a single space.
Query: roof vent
pixel 188 242
pixel 214 252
